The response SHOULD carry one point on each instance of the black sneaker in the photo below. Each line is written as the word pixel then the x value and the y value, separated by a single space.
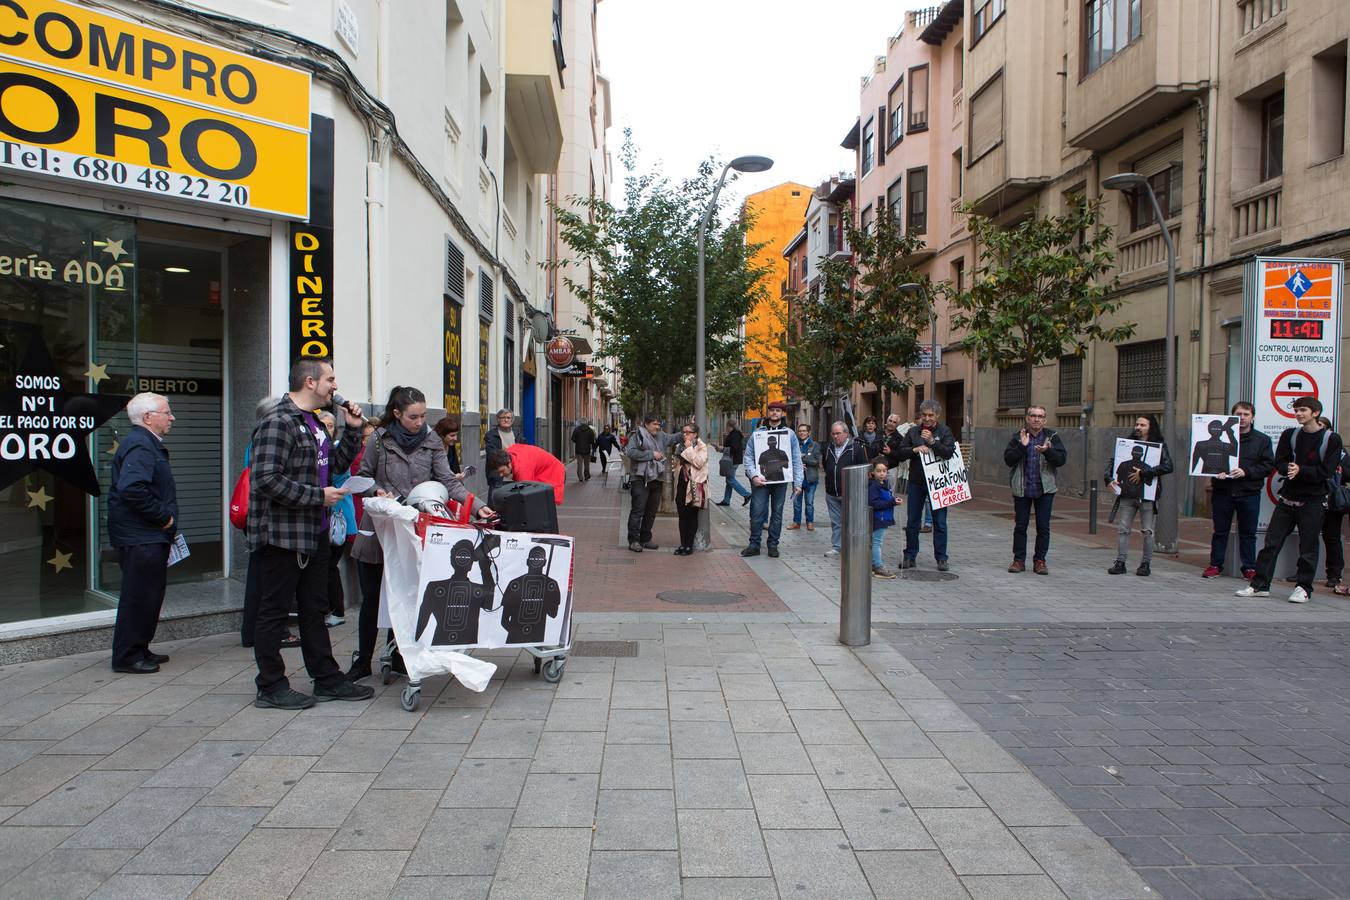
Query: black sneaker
pixel 635 546
pixel 722 503
pixel 343 690
pixel 745 501
pixel 942 565
pixel 750 551
pixel 773 553
pixel 1143 569
pixel 285 698
pixel 907 563
pixel 651 545
pixel 1117 568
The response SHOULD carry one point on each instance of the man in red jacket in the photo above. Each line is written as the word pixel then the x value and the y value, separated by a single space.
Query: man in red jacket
pixel 524 462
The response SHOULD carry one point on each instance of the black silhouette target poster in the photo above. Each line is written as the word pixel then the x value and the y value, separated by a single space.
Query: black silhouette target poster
pixel 772 451
pixel 483 588
pixel 1214 445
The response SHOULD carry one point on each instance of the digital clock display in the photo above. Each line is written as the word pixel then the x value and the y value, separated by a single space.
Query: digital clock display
pixel 1296 329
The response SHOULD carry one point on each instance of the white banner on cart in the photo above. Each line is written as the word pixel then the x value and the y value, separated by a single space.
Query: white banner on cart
pixel 482 588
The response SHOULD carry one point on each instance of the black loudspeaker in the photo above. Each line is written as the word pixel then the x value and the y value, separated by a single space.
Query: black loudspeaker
pixel 526 506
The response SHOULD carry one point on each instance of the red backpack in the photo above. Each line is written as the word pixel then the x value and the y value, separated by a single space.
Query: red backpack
pixel 239 496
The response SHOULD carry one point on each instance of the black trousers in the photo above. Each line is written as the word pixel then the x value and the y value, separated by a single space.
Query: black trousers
pixel 1331 540
pixel 286 576
pixel 688 514
pixel 337 602
pixel 1308 520
pixel 145 572
pixel 252 592
pixel 583 465
pixel 646 497
pixel 371 576
pixel 1022 509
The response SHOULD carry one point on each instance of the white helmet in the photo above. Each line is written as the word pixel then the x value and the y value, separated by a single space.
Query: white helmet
pixel 429 496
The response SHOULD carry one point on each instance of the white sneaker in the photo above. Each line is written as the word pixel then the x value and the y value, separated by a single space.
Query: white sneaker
pixel 332 620
pixel 1299 596
pixel 831 554
pixel 1250 591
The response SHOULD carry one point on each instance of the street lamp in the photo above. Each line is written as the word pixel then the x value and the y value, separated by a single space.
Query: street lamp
pixel 916 289
pixel 740 164
pixel 1132 181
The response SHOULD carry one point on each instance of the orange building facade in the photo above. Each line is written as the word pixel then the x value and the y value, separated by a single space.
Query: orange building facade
pixel 778 213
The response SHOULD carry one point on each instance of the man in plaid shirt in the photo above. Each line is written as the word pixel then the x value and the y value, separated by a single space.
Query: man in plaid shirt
pixel 289 504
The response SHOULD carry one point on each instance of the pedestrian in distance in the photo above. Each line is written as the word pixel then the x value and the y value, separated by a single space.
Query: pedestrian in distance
pixel 142 524
pixel 500 438
pixel 806 500
pixel 873 440
pixel 1238 492
pixel 926 440
pixel 732 449
pixel 883 504
pixel 606 444
pixel 341 524
pixel 1033 455
pixel 583 443
pixel 1129 481
pixel 646 451
pixel 1306 457
pixel 842 452
pixel 447 429
pixel 289 505
pixel 766 501
pixel 525 462
pixel 691 485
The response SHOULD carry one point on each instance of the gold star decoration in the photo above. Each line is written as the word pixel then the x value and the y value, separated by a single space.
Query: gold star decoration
pixel 115 248
pixel 39 498
pixel 96 372
pixel 60 561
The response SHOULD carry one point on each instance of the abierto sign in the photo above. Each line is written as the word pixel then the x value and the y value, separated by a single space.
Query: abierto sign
pixel 1293 341
pixel 94 98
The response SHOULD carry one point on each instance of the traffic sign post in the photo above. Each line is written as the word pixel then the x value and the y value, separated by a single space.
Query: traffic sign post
pixel 1292 339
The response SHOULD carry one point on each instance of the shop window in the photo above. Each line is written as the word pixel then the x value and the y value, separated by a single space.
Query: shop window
pixel 1070 380
pixel 1140 372
pixel 1014 386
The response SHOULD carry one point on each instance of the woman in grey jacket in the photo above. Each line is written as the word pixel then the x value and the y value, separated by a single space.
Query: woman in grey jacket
pixel 401 454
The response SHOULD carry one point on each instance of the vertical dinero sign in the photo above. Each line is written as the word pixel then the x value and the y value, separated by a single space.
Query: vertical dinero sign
pixel 90 97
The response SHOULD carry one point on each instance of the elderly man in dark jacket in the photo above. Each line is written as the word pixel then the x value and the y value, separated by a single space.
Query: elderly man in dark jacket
pixel 842 452
pixel 929 439
pixel 288 509
pixel 142 520
pixel 583 442
pixel 1034 455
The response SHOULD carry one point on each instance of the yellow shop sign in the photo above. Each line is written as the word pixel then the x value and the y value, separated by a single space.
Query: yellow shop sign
pixel 99 99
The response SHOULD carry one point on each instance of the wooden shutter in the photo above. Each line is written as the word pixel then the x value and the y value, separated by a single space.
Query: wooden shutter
pixel 1159 160
pixel 986 118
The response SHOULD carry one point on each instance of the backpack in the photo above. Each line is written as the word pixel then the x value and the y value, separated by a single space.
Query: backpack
pixel 239 496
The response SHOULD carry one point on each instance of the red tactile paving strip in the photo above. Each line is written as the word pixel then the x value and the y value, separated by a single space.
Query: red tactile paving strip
pixel 611 578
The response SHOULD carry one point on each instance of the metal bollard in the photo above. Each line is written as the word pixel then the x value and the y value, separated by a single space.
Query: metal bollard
pixel 1092 508
pixel 855 564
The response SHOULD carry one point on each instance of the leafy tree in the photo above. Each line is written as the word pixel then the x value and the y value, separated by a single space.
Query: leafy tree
pixel 1039 291
pixel 640 261
pixel 737 385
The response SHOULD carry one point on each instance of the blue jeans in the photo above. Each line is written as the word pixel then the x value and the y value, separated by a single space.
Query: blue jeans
pixel 878 535
pixel 835 507
pixel 1248 511
pixel 1022 507
pixel 767 503
pixel 807 497
pixel 915 496
pixel 734 485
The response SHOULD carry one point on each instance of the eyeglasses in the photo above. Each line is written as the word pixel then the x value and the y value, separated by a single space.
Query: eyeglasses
pixel 1035 415
pixel 158 412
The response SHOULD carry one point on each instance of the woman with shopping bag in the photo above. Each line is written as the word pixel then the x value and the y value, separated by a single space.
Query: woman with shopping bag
pixel 401 454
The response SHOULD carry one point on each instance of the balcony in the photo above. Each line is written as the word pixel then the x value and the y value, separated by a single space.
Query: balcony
pixel 1256 215
pixel 838 247
pixel 534 83
pixel 1145 250
pixel 1252 14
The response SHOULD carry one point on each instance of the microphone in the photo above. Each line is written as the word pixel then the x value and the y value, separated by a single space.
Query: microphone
pixel 342 403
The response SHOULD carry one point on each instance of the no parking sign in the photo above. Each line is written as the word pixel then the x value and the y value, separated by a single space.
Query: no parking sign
pixel 1293 339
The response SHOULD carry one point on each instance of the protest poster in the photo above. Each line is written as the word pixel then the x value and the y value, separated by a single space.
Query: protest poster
pixel 1214 445
pixel 948 480
pixel 772 452
pixel 1131 458
pixel 483 588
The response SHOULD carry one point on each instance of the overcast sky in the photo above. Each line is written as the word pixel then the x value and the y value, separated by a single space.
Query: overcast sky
pixel 777 78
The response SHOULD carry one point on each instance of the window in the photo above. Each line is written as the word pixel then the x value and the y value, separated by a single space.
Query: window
pixel 958 171
pixel 987 12
pixel 986 118
pixel 1234 355
pixel 1108 27
pixel 959 275
pixel 895 203
pixel 1328 103
pixel 1070 380
pixel 558 38
pixel 1272 136
pixel 958 67
pixel 509 355
pixel 895 122
pixel 1140 371
pixel 1014 386
pixel 1163 171
pixel 865 220
pixel 918 98
pixel 917 222
pixel 869 140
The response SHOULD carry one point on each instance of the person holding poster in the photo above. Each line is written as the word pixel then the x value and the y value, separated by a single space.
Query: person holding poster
pixel 1238 491
pixel 929 438
pixel 1217 454
pixel 1306 457
pixel 771 468
pixel 1136 481
pixel 1034 455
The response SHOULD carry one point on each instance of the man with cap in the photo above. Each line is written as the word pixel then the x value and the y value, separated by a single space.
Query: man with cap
pixel 766 500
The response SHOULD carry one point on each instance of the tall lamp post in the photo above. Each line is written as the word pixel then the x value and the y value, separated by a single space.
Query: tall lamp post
pixel 740 164
pixel 915 289
pixel 1132 181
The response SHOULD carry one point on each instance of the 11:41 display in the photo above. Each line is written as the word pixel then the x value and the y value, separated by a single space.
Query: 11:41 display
pixel 1296 329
